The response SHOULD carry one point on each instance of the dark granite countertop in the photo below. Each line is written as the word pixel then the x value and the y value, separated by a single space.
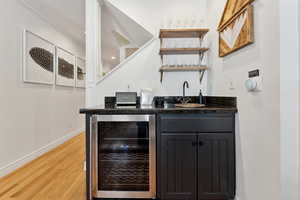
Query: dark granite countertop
pixel 169 108
pixel 166 105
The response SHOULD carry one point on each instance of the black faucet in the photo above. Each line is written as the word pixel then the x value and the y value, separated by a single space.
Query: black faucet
pixel 185 84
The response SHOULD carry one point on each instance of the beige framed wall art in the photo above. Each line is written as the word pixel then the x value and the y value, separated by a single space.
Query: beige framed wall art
pixel 236 28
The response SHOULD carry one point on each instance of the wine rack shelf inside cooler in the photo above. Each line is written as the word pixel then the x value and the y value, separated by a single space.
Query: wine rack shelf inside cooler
pixel 124 171
pixel 123 157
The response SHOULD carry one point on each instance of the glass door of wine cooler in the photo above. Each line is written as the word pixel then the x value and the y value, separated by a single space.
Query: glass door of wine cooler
pixel 126 156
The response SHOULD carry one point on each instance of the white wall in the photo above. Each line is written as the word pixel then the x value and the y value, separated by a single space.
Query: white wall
pixel 289 105
pixel 258 123
pixel 143 70
pixel 268 122
pixel 93 52
pixel 32 116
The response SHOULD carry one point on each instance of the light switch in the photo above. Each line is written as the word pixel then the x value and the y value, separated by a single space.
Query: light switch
pixel 231 85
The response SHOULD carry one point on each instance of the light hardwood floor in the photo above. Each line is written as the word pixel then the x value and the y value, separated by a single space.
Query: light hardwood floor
pixel 57 175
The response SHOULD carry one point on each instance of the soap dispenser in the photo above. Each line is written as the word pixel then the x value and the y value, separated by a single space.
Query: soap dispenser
pixel 201 101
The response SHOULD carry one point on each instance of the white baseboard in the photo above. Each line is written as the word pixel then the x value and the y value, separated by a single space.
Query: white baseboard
pixel 31 156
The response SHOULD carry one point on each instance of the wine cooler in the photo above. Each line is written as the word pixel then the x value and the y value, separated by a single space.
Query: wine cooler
pixel 124 157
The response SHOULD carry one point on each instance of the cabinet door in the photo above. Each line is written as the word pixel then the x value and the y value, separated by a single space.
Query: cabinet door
pixel 179 167
pixel 216 166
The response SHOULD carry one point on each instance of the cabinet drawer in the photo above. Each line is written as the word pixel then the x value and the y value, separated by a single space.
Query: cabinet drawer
pixel 197 123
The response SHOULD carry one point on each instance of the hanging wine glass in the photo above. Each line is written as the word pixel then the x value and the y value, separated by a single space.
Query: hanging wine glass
pixel 189 60
pixel 179 60
pixel 164 23
pixel 185 42
pixel 193 21
pixel 176 43
pixel 203 61
pixel 165 43
pixel 165 60
pixel 199 22
pixel 179 23
pixel 171 60
pixel 186 22
pixel 184 60
pixel 195 60
pixel 195 43
pixel 170 23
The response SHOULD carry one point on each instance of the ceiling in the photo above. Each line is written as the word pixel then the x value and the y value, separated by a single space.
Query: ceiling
pixel 66 15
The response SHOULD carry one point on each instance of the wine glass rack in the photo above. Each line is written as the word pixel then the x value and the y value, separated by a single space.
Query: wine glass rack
pixel 183 33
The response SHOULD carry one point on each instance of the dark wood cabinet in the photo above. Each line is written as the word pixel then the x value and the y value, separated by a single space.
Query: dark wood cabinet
pixel 216 166
pixel 196 165
pixel 179 171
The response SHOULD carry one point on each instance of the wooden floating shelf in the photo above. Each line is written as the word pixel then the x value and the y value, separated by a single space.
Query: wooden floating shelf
pixel 183 33
pixel 183 68
pixel 178 51
pixel 201 69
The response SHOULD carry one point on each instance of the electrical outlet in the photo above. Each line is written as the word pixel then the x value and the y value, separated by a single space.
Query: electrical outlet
pixel 231 85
